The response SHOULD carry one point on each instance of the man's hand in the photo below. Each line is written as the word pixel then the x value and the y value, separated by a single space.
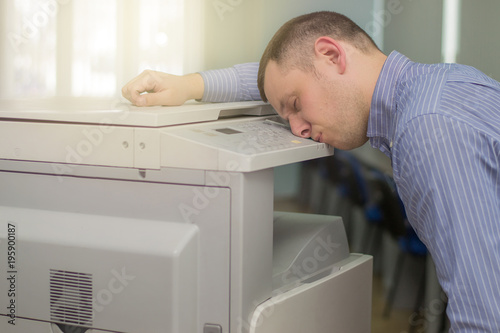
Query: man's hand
pixel 163 89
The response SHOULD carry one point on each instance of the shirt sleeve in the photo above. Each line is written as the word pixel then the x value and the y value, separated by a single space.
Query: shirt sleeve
pixel 233 84
pixel 448 177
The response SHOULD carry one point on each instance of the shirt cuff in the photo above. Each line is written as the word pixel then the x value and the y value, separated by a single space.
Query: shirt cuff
pixel 221 85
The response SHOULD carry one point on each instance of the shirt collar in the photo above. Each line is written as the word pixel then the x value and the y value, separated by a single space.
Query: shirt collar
pixel 383 106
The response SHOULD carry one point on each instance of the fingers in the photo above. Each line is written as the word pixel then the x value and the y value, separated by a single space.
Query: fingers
pixel 147 81
pixel 157 88
pixel 163 97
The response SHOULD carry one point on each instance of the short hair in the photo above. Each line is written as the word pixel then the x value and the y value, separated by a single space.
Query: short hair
pixel 292 45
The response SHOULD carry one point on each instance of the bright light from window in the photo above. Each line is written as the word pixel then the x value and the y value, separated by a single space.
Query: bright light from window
pixel 94 47
pixel 89 47
pixel 161 41
pixel 30 28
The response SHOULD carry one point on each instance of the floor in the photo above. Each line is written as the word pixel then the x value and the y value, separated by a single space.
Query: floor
pixel 399 319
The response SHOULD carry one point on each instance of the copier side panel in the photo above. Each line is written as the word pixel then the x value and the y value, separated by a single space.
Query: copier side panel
pixel 251 240
pixel 207 207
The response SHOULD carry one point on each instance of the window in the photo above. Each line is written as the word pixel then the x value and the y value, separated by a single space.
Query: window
pixel 93 47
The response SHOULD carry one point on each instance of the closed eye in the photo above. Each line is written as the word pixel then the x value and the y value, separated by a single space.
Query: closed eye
pixel 296 106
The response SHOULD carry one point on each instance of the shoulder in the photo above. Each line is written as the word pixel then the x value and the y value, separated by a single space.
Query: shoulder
pixel 457 92
pixel 420 88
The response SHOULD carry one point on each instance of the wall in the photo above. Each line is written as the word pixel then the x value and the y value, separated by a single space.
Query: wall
pixel 414 29
pixel 237 31
pixel 479 28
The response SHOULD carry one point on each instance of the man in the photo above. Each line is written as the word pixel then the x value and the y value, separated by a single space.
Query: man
pixel 439 124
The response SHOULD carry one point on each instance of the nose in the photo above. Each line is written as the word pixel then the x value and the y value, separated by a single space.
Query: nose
pixel 299 126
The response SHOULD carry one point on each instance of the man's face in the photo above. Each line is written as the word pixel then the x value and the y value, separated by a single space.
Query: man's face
pixel 324 107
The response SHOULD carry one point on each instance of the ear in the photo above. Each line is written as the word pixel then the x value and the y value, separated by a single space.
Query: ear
pixel 331 51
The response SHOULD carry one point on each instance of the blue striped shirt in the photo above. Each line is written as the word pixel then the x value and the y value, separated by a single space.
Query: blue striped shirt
pixel 233 84
pixel 440 125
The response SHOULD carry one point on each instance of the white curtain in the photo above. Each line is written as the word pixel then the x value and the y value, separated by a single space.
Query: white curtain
pixel 93 47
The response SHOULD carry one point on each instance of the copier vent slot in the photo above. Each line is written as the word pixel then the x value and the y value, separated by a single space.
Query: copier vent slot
pixel 71 298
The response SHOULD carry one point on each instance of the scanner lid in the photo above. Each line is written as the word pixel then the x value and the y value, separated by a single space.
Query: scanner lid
pixel 121 112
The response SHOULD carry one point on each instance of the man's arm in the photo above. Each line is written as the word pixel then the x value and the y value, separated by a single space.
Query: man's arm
pixel 236 83
pixel 233 84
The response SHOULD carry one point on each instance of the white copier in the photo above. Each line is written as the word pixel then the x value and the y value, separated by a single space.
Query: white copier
pixel 115 218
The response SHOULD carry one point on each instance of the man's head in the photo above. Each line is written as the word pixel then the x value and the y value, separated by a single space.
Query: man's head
pixel 312 72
